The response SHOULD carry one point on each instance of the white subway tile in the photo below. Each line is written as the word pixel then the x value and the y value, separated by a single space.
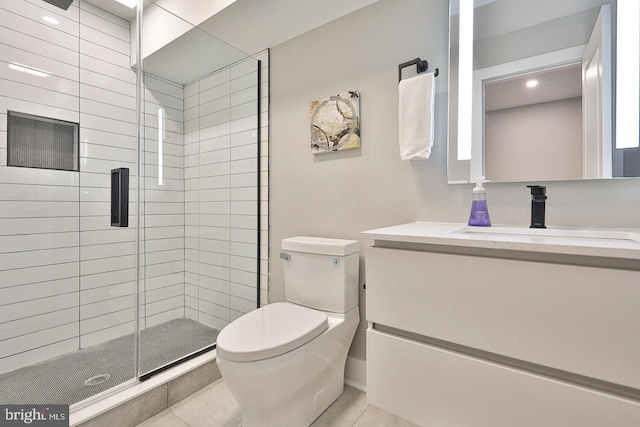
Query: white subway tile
pixel 16 294
pixel 101 237
pixel 108 97
pixel 219 143
pixel 214 258
pixel 18 260
pixel 242 305
pixel 163 257
pixel 244 124
pixel 244 278
pixel 97 65
pixel 164 269
pixel 211 321
pixel 215 131
pixel 26 92
pixel 214 297
pixel 244 110
pixel 31 11
pixel 244 138
pixel 39 322
pixel 243 96
pixel 244 194
pixel 218 78
pixel 97 295
pixel 38 274
pixel 247 81
pixel 106 334
pixel 213 309
pixel 100 109
pixel 39 306
pixel 190 313
pixel 36 29
pixel 214 221
pixel 249 292
pixel 97 252
pixel 20 192
pixel 214 284
pixel 32 242
pixel 214 271
pixel 97 51
pixel 11 53
pixel 248 222
pixel 88 311
pixel 106 321
pixel 107 139
pixel 159 282
pixel 107 124
pixel 248 264
pixel 105 279
pixel 213 170
pixel 164 305
pixel 30 357
pixel 243 68
pixel 32 44
pixel 165 316
pixel 156 84
pixel 216 105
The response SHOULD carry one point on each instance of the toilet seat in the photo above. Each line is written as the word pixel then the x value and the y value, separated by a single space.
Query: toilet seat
pixel 270 331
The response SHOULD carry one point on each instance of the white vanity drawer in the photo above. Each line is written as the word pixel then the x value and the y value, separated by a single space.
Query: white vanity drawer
pixel 434 387
pixel 578 319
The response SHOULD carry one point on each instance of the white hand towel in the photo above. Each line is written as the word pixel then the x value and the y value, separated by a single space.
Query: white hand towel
pixel 417 96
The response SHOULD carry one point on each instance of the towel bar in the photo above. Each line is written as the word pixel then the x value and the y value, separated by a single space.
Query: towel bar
pixel 421 66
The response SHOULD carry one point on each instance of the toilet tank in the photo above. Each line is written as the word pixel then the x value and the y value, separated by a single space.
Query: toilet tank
pixel 321 273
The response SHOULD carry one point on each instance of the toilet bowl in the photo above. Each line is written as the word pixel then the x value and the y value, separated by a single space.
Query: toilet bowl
pixel 284 363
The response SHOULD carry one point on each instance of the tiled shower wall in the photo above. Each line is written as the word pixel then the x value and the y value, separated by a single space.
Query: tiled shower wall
pixel 63 271
pixel 163 209
pixel 221 199
pixel 67 276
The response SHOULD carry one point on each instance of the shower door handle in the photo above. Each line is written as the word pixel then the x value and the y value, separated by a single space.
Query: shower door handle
pixel 120 197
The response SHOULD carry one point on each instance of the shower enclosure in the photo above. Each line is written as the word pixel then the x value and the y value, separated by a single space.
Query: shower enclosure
pixel 86 307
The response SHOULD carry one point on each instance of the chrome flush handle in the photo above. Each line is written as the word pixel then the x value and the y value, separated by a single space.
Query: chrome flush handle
pixel 285 256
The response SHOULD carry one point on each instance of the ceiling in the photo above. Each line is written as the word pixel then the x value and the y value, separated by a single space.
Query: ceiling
pixel 241 27
pixel 553 85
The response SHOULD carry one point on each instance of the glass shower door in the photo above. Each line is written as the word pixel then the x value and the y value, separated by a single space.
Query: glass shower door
pixel 200 203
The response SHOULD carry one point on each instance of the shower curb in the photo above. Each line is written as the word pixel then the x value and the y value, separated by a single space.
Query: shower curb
pixel 142 401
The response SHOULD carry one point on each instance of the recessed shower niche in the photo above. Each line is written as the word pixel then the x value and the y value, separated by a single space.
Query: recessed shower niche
pixel 41 142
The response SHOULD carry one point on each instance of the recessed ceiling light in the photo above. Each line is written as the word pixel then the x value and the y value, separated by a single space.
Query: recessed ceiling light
pixel 532 83
pixel 29 70
pixel 129 3
pixel 51 20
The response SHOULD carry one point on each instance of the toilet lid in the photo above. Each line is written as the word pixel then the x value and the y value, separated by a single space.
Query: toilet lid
pixel 270 331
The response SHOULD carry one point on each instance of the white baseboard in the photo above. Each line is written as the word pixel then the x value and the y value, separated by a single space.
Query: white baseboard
pixel 355 373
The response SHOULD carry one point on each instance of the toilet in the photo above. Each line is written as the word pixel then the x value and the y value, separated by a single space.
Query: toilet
pixel 284 363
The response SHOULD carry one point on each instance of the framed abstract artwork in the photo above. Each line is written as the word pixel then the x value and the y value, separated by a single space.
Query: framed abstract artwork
pixel 335 123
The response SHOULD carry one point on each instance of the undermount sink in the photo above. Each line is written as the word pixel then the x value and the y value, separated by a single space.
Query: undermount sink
pixel 559 233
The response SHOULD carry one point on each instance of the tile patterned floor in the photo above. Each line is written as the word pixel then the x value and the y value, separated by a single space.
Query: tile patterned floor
pixel 214 406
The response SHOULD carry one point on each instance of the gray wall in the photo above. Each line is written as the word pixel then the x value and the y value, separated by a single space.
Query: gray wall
pixel 538 141
pixel 342 194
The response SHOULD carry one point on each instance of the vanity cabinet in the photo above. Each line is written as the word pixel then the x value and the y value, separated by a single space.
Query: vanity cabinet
pixel 485 334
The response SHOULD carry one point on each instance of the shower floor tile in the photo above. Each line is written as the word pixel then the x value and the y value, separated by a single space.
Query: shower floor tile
pixel 61 380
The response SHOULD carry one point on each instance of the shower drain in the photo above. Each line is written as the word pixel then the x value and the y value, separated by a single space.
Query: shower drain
pixel 98 379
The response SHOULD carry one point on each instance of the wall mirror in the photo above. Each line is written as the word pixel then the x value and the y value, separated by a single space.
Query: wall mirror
pixel 544 91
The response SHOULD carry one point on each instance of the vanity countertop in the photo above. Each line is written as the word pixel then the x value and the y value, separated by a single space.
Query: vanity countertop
pixel 609 243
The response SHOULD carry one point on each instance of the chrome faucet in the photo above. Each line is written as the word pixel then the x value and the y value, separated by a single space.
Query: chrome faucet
pixel 538 199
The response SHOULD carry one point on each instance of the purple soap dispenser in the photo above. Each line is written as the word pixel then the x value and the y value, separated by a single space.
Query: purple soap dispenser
pixel 479 210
